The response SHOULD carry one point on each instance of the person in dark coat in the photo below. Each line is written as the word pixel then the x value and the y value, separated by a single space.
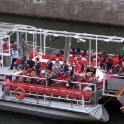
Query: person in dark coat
pixel 30 63
pixel 49 65
pixel 64 69
pixel 23 63
pixel 37 63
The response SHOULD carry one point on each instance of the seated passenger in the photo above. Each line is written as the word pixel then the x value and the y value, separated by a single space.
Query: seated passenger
pixel 37 63
pixel 24 73
pixel 15 73
pixel 83 58
pixel 71 68
pixel 40 52
pixel 49 65
pixel 91 87
pixel 23 63
pixel 33 75
pixel 56 65
pixel 64 68
pixel 49 79
pixel 77 68
pixel 30 63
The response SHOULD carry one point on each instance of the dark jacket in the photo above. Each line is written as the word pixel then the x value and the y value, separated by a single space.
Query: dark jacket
pixel 30 63
pixel 37 65
pixel 49 66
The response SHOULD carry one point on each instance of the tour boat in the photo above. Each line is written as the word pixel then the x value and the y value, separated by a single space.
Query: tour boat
pixel 56 101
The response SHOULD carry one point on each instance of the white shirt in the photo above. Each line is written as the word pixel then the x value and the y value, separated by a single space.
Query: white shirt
pixel 14 54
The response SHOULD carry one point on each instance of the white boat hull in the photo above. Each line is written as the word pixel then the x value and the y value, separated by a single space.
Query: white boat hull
pixel 53 113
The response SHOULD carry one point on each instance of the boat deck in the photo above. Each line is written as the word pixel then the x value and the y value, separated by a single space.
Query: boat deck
pixel 5 70
pixel 58 104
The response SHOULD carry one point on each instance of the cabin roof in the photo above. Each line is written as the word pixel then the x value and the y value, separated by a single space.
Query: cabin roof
pixel 6 29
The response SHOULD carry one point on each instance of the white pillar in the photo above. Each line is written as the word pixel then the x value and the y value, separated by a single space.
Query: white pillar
pixel 44 40
pixel 2 50
pixel 1 92
pixel 41 41
pixel 90 52
pixel 67 48
pixel 26 36
pixel 17 40
pixel 9 43
pixel 96 53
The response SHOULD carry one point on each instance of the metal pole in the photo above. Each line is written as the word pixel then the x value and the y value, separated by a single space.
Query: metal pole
pixel 44 40
pixel 9 43
pixel 35 40
pixel 2 50
pixel 17 40
pixel 41 41
pixel 96 53
pixel 26 36
pixel 67 48
pixel 90 52
pixel 33 47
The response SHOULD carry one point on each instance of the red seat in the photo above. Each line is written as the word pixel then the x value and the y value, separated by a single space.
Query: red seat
pixel 99 84
pixel 13 86
pixel 26 88
pixel 70 59
pixel 87 95
pixel 63 93
pixel 33 90
pixel 79 95
pixel 29 70
pixel 56 92
pixel 53 58
pixel 43 64
pixel 48 91
pixel 18 61
pixel 41 91
pixel 45 56
pixel 71 94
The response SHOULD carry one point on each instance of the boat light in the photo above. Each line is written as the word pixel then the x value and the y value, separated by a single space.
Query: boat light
pixel 106 40
pixel 81 40
pixel 30 32
pixel 122 40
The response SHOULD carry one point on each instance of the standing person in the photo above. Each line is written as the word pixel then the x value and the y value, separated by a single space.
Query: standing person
pixel 14 57
pixel 24 47
pixel 6 86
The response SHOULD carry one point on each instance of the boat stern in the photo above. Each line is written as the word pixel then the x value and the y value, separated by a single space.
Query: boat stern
pixel 100 113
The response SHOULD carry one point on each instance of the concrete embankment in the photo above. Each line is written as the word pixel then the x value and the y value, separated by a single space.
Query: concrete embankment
pixel 95 11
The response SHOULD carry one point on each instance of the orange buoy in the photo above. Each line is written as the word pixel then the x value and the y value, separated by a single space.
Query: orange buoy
pixel 19 95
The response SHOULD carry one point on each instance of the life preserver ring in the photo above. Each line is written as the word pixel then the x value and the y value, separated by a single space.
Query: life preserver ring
pixel 19 96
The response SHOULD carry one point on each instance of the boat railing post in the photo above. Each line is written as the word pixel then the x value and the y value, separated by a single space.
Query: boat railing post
pixel 1 92
pixel 83 102
pixel 96 99
pixel 50 96
pixel 46 81
pixel 103 91
pixel 37 95
pixel 71 101
pixel 79 86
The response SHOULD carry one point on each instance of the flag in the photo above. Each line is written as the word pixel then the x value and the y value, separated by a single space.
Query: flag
pixel 120 96
pixel 99 74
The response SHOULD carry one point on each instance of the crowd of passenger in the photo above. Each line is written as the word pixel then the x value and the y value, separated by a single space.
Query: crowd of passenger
pixel 76 70
pixel 53 70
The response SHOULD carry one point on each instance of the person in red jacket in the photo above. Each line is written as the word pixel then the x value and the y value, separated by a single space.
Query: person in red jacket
pixel 77 68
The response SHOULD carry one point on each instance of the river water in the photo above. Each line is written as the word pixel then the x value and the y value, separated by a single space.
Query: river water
pixel 116 116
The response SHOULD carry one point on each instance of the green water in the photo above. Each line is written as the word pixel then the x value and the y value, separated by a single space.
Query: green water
pixel 116 116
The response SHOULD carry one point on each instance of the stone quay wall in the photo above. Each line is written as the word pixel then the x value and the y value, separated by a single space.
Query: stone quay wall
pixel 95 11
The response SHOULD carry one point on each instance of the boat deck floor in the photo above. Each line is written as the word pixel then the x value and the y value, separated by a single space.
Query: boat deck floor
pixel 5 70
pixel 67 105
